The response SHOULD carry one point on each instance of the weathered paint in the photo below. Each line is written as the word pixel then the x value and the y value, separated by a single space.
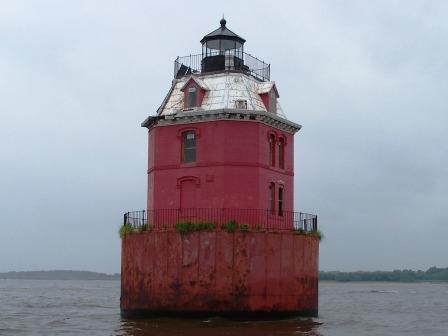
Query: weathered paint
pixel 231 170
pixel 200 93
pixel 225 88
pixel 241 274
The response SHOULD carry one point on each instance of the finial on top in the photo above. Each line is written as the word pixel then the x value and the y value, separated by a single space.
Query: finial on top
pixel 223 21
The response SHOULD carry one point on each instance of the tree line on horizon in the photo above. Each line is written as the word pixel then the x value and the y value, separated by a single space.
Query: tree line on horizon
pixel 58 275
pixel 431 274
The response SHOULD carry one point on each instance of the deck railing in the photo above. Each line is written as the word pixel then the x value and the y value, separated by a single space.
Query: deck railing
pixel 191 64
pixel 254 219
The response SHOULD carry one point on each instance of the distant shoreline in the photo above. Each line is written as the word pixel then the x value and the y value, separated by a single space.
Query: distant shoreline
pixel 58 275
pixel 433 274
pixel 385 281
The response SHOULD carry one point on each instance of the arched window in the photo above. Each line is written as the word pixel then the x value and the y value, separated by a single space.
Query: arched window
pixel 272 150
pixel 192 96
pixel 280 200
pixel 271 198
pixel 188 147
pixel 281 153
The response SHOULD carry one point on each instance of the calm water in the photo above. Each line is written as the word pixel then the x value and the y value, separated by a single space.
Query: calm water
pixel 92 308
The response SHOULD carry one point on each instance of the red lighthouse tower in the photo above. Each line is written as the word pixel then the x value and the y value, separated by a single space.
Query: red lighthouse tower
pixel 220 235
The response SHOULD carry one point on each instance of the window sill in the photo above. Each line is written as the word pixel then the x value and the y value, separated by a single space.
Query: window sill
pixel 191 109
pixel 187 164
pixel 275 168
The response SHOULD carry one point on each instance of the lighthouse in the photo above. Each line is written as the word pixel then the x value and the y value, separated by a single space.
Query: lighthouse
pixel 220 235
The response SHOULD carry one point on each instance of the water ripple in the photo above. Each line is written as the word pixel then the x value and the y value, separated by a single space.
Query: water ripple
pixel 92 308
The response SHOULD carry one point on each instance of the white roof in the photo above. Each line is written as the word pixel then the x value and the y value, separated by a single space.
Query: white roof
pixel 197 80
pixel 265 87
pixel 224 89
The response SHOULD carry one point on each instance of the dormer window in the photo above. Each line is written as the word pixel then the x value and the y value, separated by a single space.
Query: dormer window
pixel 192 97
pixel 269 94
pixel 194 91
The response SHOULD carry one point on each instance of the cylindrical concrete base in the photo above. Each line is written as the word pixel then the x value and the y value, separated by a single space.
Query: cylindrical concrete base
pixel 238 275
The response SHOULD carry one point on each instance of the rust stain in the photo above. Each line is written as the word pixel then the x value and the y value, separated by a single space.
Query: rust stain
pixel 248 275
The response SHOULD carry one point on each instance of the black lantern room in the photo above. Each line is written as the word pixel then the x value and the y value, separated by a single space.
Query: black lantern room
pixel 222 49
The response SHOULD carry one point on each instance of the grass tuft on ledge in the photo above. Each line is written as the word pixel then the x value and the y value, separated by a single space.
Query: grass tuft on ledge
pixel 126 229
pixel 230 226
pixel 185 228
pixel 316 233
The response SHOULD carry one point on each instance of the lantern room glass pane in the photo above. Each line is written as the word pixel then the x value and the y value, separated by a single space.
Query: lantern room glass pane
pixel 215 47
pixel 239 50
pixel 214 44
pixel 227 45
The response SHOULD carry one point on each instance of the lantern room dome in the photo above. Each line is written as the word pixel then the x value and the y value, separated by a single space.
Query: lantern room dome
pixel 222 49
pixel 222 33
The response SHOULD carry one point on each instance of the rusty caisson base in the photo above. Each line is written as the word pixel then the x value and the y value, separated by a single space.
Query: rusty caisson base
pixel 240 275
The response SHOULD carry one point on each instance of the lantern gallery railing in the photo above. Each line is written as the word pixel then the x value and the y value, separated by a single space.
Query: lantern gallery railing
pixel 246 219
pixel 186 65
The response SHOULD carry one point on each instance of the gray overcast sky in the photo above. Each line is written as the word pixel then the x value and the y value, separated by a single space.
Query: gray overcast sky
pixel 368 80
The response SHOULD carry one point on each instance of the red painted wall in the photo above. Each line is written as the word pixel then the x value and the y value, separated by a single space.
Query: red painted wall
pixel 219 273
pixel 265 99
pixel 231 169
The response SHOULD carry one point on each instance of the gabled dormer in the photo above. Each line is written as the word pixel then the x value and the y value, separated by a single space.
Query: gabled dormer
pixel 194 91
pixel 269 94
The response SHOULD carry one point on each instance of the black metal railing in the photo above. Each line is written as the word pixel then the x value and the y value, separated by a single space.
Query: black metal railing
pixel 186 65
pixel 254 219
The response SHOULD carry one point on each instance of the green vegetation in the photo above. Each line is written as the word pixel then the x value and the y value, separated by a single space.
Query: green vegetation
pixel 299 232
pixel 244 228
pixel 316 233
pixel 230 226
pixel 187 227
pixel 125 229
pixel 432 274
